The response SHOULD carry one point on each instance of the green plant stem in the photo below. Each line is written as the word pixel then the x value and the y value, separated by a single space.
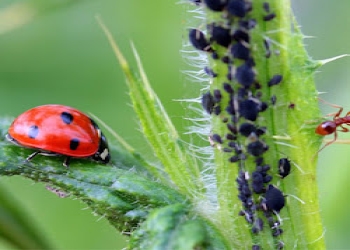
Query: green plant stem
pixel 288 132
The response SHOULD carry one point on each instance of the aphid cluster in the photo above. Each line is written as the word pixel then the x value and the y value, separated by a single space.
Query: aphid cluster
pixel 238 102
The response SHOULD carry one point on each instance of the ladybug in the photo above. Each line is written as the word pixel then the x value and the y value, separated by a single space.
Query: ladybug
pixel 59 130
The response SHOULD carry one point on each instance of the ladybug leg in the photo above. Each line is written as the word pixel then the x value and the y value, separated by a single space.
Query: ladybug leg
pixel 31 156
pixel 66 162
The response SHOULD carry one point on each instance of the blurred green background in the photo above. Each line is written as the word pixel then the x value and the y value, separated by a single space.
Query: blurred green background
pixel 61 56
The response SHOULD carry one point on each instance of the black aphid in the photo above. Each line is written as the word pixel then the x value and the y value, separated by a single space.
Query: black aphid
pixel 240 51
pixel 237 8
pixel 284 167
pixel 257 182
pixel 257 148
pixel 216 138
pixel 248 109
pixel 217 95
pixel 246 129
pixel 276 79
pixel 198 40
pixel 216 5
pixel 240 35
pixel 266 6
pixel 220 35
pixel 231 137
pixel 269 17
pixel 208 102
pixel 274 199
pixel 245 75
pixel 228 88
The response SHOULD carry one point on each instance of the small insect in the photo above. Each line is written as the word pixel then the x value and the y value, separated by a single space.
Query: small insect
pixel 331 126
pixel 59 130
pixel 199 41
pixel 274 199
pixel 284 167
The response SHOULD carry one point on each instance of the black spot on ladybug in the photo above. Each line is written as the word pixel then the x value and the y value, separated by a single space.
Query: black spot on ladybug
pixel 274 199
pixel 66 117
pixel 74 144
pixel 33 131
pixel 283 167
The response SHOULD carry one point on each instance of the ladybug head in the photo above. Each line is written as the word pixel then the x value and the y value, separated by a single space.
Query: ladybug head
pixel 102 154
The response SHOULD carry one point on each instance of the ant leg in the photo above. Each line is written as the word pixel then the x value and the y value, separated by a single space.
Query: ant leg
pixel 343 129
pixel 337 114
pixel 31 156
pixel 328 143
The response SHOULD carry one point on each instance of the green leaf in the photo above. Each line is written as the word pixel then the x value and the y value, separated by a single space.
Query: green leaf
pixel 158 129
pixel 173 227
pixel 118 191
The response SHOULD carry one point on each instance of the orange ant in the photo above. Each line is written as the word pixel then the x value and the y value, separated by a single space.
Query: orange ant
pixel 330 126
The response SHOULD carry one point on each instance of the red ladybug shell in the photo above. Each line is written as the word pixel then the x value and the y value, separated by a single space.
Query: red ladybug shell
pixel 58 129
